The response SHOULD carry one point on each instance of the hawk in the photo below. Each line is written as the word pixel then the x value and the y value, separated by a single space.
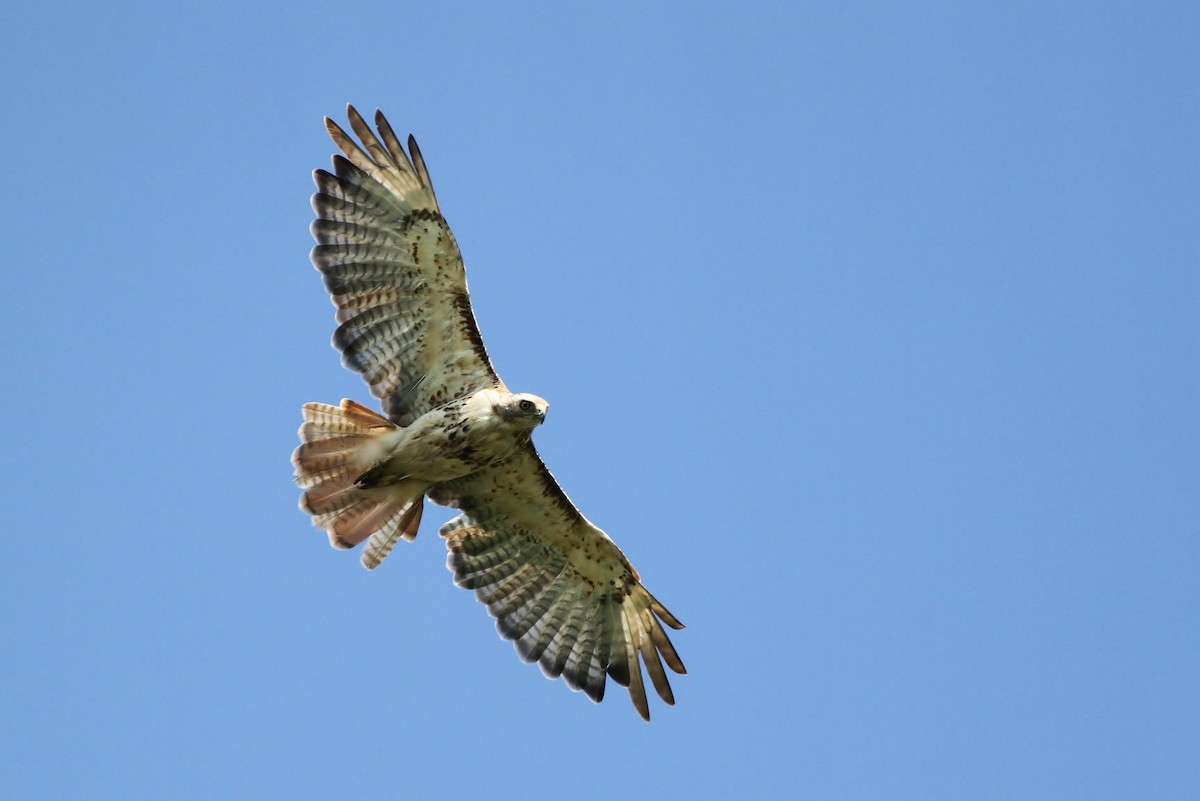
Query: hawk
pixel 452 432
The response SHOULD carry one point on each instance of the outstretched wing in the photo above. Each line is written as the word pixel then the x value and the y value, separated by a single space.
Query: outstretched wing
pixel 556 584
pixel 395 274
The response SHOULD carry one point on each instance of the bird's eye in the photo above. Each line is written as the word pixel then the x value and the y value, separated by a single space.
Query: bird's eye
pixel 525 406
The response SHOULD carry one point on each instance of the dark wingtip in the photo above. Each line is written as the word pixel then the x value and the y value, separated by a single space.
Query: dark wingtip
pixel 356 119
pixel 661 612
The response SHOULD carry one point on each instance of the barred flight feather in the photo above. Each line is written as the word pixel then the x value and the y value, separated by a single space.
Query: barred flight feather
pixel 519 622
pixel 524 587
pixel 567 622
pixel 347 259
pixel 400 303
pixel 581 668
pixel 342 219
pixel 403 522
pixel 493 566
pixel 345 268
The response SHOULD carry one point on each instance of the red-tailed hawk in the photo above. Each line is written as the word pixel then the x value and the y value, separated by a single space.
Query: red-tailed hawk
pixel 556 584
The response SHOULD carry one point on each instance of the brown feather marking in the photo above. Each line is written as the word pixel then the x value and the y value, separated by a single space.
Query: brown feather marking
pixel 467 325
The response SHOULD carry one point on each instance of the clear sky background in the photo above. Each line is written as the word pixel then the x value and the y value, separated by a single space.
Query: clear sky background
pixel 872 333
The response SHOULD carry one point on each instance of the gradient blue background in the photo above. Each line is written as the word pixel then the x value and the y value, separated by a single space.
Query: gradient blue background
pixel 871 332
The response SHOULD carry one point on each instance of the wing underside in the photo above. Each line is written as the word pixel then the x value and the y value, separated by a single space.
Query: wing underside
pixel 558 587
pixel 395 274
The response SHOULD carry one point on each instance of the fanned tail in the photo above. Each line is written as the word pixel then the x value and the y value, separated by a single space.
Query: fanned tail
pixel 338 445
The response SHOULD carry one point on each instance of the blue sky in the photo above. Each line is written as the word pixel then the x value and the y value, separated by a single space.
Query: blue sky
pixel 871 332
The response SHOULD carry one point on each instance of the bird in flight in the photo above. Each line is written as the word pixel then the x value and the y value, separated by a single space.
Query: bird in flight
pixel 451 431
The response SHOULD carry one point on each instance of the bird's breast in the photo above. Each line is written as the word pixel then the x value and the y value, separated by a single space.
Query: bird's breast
pixel 450 443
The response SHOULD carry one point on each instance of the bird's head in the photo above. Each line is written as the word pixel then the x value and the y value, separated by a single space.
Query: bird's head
pixel 523 409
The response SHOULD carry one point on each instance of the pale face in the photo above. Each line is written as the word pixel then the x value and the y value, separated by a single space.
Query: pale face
pixel 524 408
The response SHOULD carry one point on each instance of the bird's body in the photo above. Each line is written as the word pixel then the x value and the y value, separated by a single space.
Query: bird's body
pixel 453 432
pixel 457 439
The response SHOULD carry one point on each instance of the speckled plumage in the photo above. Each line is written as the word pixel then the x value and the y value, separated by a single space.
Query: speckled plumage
pixel 559 588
